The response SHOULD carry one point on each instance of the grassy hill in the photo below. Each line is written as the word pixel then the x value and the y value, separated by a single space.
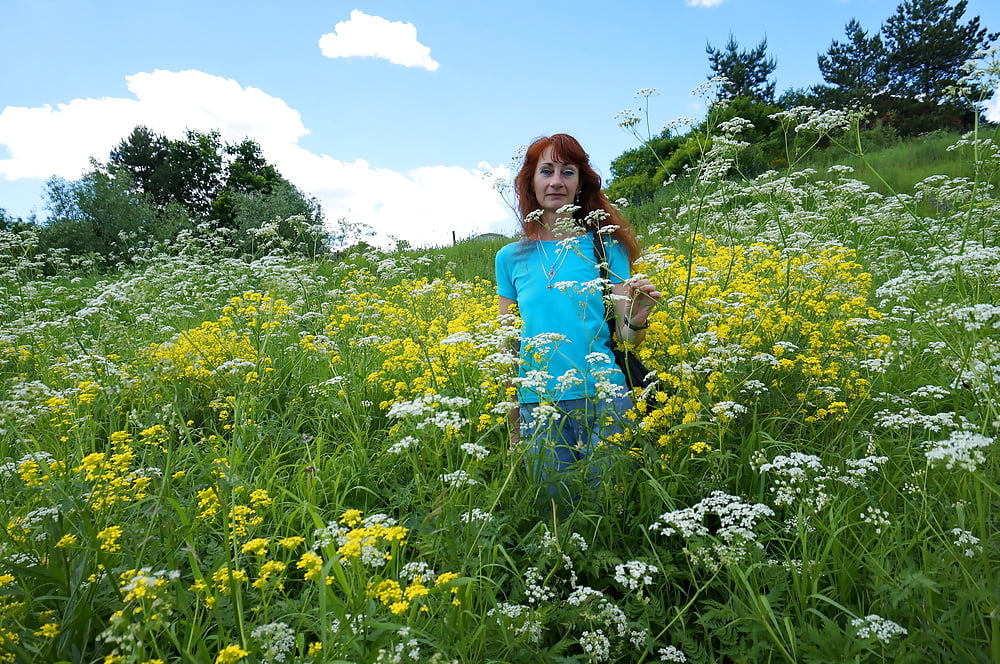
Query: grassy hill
pixel 210 459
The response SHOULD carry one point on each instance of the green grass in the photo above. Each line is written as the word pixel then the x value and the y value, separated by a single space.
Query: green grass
pixel 185 444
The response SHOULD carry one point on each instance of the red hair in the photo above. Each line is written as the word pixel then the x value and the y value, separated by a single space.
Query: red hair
pixel 568 150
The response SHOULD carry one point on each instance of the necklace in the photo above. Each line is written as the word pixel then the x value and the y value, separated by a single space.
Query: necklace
pixel 553 266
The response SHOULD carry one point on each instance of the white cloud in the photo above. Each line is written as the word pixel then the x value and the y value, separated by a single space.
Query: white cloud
pixel 373 36
pixel 423 206
pixel 60 141
pixel 993 107
pixel 703 3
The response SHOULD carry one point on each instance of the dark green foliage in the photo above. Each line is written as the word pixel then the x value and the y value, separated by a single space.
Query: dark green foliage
pixel 907 74
pixel 747 72
pixel 766 147
pixel 855 70
pixel 152 188
pixel 637 174
pixel 102 214
pixel 9 222
pixel 926 45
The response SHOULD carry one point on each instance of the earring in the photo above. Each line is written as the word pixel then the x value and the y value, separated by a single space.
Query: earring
pixel 577 198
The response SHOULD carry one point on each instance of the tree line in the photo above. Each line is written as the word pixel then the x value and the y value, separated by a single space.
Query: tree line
pixel 910 74
pixel 152 189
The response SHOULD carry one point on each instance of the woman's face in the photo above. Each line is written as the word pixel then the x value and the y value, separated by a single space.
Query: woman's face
pixel 556 183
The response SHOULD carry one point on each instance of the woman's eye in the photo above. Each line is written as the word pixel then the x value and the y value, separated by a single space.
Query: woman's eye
pixel 569 173
pixel 545 171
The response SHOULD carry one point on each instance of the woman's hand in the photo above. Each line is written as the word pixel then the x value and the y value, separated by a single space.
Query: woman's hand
pixel 636 299
pixel 643 297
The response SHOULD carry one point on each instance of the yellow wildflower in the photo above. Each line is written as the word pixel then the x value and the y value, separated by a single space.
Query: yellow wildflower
pixel 312 563
pixel 257 546
pixel 48 631
pixel 231 654
pixel 109 539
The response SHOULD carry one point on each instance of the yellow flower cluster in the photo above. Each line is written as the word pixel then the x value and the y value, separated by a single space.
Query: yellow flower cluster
pixel 755 329
pixel 399 598
pixel 255 310
pixel 229 346
pixel 424 333
pixel 370 537
pixel 33 473
pixel 10 606
pixel 110 539
pixel 241 517
pixel 111 475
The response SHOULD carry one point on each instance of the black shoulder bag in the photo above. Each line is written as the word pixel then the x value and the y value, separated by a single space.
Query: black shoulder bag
pixel 636 373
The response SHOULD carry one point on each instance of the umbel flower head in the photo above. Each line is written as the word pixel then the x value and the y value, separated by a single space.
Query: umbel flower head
pixel 963 450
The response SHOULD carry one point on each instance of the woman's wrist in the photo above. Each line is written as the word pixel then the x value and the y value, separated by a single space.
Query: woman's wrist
pixel 636 325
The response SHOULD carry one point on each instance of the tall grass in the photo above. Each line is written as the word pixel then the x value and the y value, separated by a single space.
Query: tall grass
pixel 214 460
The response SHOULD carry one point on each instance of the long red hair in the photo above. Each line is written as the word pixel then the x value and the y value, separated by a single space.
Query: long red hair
pixel 568 150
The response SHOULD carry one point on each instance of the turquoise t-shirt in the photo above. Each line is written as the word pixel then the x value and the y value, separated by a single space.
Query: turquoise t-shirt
pixel 564 336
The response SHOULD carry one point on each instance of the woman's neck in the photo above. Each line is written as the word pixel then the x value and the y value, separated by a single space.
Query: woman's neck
pixel 549 230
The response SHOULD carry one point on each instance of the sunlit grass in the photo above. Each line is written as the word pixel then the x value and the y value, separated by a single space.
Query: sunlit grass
pixel 214 460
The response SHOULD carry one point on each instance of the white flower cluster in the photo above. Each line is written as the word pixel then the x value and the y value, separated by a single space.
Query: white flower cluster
pixel 418 569
pixel 596 644
pixel 877 517
pixel 635 574
pixel 407 650
pixel 672 654
pixel 518 618
pixel 858 469
pixel 963 450
pixel 798 478
pixel 731 543
pixel 979 369
pixel 401 446
pixel 275 640
pixel 460 337
pixel 804 479
pixel 976 317
pixel 877 627
pixel 474 515
pixel 39 516
pixel 458 478
pixel 968 540
pixel 477 452
pixel 727 410
pixel 537 592
pixel 569 380
pixel 427 406
pixel 911 417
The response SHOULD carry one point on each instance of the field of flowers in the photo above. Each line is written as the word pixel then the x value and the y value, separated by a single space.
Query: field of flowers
pixel 214 460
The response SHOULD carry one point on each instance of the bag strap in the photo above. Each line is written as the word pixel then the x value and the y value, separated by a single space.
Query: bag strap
pixel 601 255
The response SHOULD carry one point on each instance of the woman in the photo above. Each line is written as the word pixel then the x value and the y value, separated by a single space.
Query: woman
pixel 572 395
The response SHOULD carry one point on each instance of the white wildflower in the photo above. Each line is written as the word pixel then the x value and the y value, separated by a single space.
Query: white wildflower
pixel 477 452
pixel 968 540
pixel 963 449
pixel 877 627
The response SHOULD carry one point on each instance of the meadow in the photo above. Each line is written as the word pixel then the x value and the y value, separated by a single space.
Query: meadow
pixel 211 459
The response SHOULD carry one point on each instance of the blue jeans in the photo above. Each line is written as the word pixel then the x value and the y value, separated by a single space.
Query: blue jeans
pixel 571 438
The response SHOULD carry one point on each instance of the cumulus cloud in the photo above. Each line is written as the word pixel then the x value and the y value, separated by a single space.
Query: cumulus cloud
pixel 423 206
pixel 373 36
pixel 60 140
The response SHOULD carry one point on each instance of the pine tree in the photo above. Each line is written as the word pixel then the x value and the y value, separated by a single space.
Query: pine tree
pixel 855 69
pixel 747 72
pixel 926 45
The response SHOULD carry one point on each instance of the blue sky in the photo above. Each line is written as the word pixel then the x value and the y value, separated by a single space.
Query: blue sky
pixel 390 112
